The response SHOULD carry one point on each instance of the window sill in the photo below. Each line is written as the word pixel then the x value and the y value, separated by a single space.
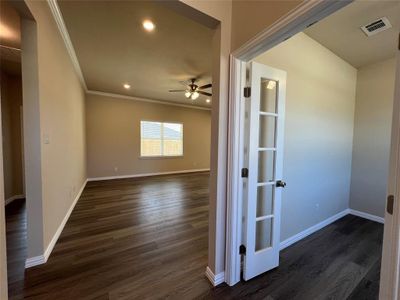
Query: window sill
pixel 161 157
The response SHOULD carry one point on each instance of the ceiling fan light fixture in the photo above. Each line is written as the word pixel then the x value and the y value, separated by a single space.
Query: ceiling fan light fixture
pixel 193 91
pixel 195 95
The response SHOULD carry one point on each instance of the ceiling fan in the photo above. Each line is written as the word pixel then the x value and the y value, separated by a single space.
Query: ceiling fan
pixel 193 91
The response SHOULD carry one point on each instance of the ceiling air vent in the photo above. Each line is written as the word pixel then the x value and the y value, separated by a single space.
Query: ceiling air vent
pixel 376 26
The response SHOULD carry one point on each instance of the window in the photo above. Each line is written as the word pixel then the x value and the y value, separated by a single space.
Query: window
pixel 161 139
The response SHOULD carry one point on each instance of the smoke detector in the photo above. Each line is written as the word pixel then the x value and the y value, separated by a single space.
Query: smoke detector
pixel 376 26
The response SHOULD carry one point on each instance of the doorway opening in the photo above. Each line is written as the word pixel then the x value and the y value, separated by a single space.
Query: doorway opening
pixel 146 205
pixel 334 145
pixel 13 144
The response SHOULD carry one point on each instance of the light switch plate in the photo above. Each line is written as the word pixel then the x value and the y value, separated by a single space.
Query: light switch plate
pixel 46 139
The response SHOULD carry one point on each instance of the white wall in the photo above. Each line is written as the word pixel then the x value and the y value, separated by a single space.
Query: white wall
pixel 371 145
pixel 319 118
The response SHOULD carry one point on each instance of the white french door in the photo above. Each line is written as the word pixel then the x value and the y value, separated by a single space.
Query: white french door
pixel 264 156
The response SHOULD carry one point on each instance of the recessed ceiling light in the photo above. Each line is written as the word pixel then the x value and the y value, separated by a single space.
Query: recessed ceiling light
pixel 208 100
pixel 127 86
pixel 148 25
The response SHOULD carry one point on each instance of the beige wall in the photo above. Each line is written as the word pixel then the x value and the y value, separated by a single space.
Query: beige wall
pixel 113 137
pixel 371 145
pixel 221 11
pixel 230 28
pixel 62 122
pixel 3 251
pixel 11 101
pixel 251 17
pixel 319 116
pixel 32 138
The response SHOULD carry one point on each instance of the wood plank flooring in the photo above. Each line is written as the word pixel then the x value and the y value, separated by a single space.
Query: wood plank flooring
pixel 146 238
pixel 16 244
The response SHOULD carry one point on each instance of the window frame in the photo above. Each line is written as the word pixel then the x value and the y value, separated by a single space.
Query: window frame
pixel 162 156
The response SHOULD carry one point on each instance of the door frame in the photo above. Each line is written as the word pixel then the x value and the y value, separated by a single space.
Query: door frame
pixel 390 268
pixel 307 13
pixel 304 15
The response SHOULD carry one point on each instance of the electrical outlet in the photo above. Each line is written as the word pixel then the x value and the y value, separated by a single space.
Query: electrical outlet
pixel 317 205
pixel 115 169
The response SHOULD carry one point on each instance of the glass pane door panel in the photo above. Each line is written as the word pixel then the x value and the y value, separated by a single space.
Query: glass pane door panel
pixel 267 131
pixel 265 196
pixel 263 234
pixel 268 95
pixel 266 161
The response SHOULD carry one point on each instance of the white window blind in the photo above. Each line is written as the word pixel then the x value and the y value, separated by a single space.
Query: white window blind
pixel 161 139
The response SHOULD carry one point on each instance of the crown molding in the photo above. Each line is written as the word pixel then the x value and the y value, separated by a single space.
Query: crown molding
pixel 55 10
pixel 119 96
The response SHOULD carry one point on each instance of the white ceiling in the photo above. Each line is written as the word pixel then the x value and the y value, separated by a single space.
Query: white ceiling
pixel 341 32
pixel 112 48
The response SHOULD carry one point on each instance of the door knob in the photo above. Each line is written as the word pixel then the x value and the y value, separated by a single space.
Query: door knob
pixel 280 183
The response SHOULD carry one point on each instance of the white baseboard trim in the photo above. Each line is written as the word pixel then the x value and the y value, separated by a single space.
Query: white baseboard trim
pixel 34 261
pixel 15 197
pixel 146 174
pixel 215 279
pixel 301 235
pixel 42 259
pixel 367 216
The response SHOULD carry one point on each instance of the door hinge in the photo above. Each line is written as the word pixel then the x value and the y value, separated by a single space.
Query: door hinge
pixel 247 92
pixel 242 249
pixel 390 204
pixel 245 173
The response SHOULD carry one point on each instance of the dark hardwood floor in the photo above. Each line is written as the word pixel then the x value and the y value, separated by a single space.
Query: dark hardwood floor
pixel 340 261
pixel 16 244
pixel 146 238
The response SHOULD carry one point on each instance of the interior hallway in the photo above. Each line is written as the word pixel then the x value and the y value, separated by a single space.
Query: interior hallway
pixel 146 238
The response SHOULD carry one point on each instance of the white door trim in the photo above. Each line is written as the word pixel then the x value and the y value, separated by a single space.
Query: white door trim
pixel 235 164
pixel 308 12
pixel 390 267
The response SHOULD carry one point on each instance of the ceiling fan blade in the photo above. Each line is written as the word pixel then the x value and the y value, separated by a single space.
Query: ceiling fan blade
pixel 206 86
pixel 204 93
pixel 173 91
